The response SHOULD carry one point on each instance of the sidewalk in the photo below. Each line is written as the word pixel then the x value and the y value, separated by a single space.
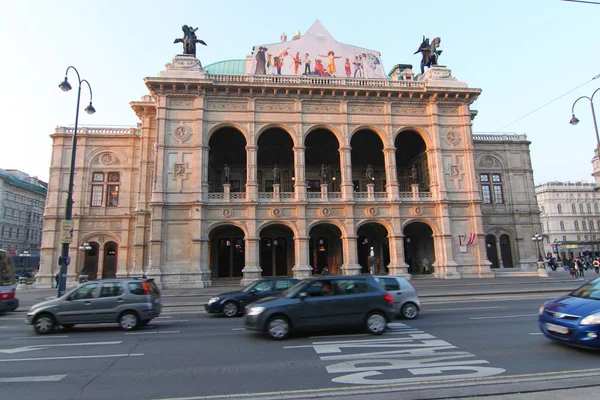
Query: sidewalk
pixel 558 282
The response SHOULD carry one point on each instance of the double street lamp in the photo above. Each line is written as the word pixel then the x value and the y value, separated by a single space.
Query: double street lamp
pixel 64 254
pixel 575 121
pixel 538 238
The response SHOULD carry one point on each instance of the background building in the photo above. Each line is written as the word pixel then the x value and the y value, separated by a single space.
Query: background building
pixel 22 200
pixel 570 215
pixel 243 169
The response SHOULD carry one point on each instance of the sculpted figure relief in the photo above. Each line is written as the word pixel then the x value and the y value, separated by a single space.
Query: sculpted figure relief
pixel 430 52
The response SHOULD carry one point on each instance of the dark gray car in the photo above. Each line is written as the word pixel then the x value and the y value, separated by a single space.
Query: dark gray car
pixel 128 302
pixel 323 303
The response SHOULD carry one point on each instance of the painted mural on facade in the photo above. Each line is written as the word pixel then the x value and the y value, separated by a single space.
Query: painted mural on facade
pixel 316 53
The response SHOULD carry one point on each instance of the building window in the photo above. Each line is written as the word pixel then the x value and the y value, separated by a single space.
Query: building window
pixel 562 226
pixel 498 192
pixel 581 208
pixel 110 184
pixel 573 208
pixel 589 208
pixel 559 208
pixel 564 239
pixel 542 209
pixel 547 226
pixel 591 224
pixel 596 207
pixel 583 225
pixel 486 190
pixel 579 238
pixel 585 237
pixel 576 223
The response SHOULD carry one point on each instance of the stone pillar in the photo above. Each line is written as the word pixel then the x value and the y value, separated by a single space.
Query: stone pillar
pixel 100 270
pixel 397 265
pixel 371 191
pixel 252 271
pixel 299 173
pixel 391 174
pixel 347 187
pixel 499 253
pixel 251 184
pixel 155 245
pixel 351 265
pixel 226 192
pixel 324 187
pixel 276 196
pixel 204 174
pixel 414 188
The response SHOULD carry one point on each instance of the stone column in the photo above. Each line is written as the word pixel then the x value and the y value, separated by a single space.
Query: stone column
pixel 391 174
pixel 414 188
pixel 499 253
pixel 251 184
pixel 204 173
pixel 371 191
pixel 397 265
pixel 299 173
pixel 347 187
pixel 324 188
pixel 252 271
pixel 226 192
pixel 351 265
pixel 276 196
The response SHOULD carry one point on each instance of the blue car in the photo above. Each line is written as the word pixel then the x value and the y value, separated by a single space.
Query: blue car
pixel 575 318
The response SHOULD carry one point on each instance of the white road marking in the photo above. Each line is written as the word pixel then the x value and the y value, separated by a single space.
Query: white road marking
pixel 338 336
pixel 169 322
pixel 39 337
pixel 238 329
pixel 151 332
pixel 71 357
pixel 43 346
pixel 507 316
pixel 183 312
pixel 13 319
pixel 163 317
pixel 536 333
pixel 47 378
pixel 462 309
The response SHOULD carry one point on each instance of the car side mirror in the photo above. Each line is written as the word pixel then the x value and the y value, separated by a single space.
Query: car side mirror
pixel 302 295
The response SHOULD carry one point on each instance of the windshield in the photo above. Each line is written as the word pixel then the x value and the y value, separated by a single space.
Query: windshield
pixel 7 269
pixel 250 286
pixel 591 290
pixel 294 288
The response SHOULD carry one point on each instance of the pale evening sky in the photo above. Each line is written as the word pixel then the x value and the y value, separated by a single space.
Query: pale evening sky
pixel 522 53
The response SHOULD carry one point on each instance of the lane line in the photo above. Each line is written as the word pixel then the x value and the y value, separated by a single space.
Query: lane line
pixel 151 332
pixel 238 329
pixel 71 357
pixel 536 333
pixel 507 316
pixel 339 336
pixel 38 337
pixel 163 317
pixel 462 309
pixel 47 378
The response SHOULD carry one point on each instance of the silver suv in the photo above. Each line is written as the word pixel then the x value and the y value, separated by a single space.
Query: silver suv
pixel 404 294
pixel 129 302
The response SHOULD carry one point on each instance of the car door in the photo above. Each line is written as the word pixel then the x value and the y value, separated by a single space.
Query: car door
pixel 315 310
pixel 109 303
pixel 78 307
pixel 392 286
pixel 349 305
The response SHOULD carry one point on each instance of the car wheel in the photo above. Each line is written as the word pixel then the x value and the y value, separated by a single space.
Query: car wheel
pixel 129 321
pixel 230 309
pixel 44 324
pixel 409 311
pixel 376 323
pixel 278 328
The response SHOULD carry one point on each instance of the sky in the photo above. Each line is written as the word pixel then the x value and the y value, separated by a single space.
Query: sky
pixel 523 54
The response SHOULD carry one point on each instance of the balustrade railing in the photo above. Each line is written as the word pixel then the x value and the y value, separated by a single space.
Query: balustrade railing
pixel 381 195
pixel 317 81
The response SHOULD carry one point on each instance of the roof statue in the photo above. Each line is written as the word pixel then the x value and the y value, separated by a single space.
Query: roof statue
pixel 430 52
pixel 189 40
pixel 283 37
pixel 297 35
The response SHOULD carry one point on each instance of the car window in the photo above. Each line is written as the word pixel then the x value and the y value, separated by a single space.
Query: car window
pixel 111 289
pixel 85 292
pixel 315 289
pixel 591 290
pixel 389 284
pixel 263 286
pixel 352 286
pixel 136 288
pixel 282 285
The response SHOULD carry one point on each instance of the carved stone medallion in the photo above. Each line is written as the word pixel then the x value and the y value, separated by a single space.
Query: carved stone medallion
pixel 182 133
pixel 276 212
pixel 371 211
pixel 418 211
pixel 227 212
pixel 326 211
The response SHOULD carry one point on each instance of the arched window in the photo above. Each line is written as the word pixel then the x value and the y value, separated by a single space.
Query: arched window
pixel 581 208
pixel 589 208
pixel 559 208
pixel 583 225
pixel 562 226
pixel 591 224
pixel 573 208
pixel 576 225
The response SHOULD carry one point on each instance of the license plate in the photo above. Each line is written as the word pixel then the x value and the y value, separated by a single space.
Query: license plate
pixel 557 328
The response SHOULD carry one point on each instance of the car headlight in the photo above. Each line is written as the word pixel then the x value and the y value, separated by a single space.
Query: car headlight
pixel 592 319
pixel 255 310
pixel 213 300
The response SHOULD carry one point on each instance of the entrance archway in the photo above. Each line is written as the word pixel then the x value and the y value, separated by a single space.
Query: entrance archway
pixel 367 150
pixel 90 262
pixel 325 248
pixel 276 250
pixel 411 151
pixel 275 149
pixel 110 261
pixel 227 151
pixel 373 236
pixel 491 250
pixel 322 148
pixel 418 246
pixel 505 251
pixel 227 251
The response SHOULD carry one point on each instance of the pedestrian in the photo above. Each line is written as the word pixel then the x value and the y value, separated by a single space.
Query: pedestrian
pixel 572 267
pixel 56 278
pixel 596 265
pixel 581 267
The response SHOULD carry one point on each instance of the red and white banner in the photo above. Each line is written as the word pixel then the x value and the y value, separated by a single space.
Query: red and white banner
pixel 464 240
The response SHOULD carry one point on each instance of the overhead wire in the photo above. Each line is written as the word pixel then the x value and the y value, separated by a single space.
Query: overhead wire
pixel 547 104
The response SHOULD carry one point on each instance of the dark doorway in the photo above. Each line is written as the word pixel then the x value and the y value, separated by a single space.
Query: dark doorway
pixel 227 148
pixel 411 151
pixel 275 148
pixel 90 262
pixel 367 150
pixel 322 148
pixel 506 252
pixel 491 250
pixel 325 248
pixel 227 252
pixel 372 244
pixel 110 261
pixel 276 250
pixel 418 246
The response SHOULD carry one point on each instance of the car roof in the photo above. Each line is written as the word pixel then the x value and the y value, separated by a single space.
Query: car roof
pixel 341 277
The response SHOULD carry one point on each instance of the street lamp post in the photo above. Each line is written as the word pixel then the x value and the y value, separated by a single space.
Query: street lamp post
pixel 575 121
pixel 64 254
pixel 538 238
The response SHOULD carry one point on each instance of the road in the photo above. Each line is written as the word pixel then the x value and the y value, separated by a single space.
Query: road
pixel 470 347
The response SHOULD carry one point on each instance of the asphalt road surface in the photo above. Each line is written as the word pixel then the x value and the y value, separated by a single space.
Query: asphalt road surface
pixel 454 349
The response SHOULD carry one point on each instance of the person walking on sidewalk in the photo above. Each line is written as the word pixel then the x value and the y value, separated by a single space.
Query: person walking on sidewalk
pixel 596 264
pixel 581 267
pixel 56 278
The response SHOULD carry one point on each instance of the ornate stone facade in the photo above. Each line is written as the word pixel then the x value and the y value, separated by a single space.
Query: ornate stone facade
pixel 381 167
